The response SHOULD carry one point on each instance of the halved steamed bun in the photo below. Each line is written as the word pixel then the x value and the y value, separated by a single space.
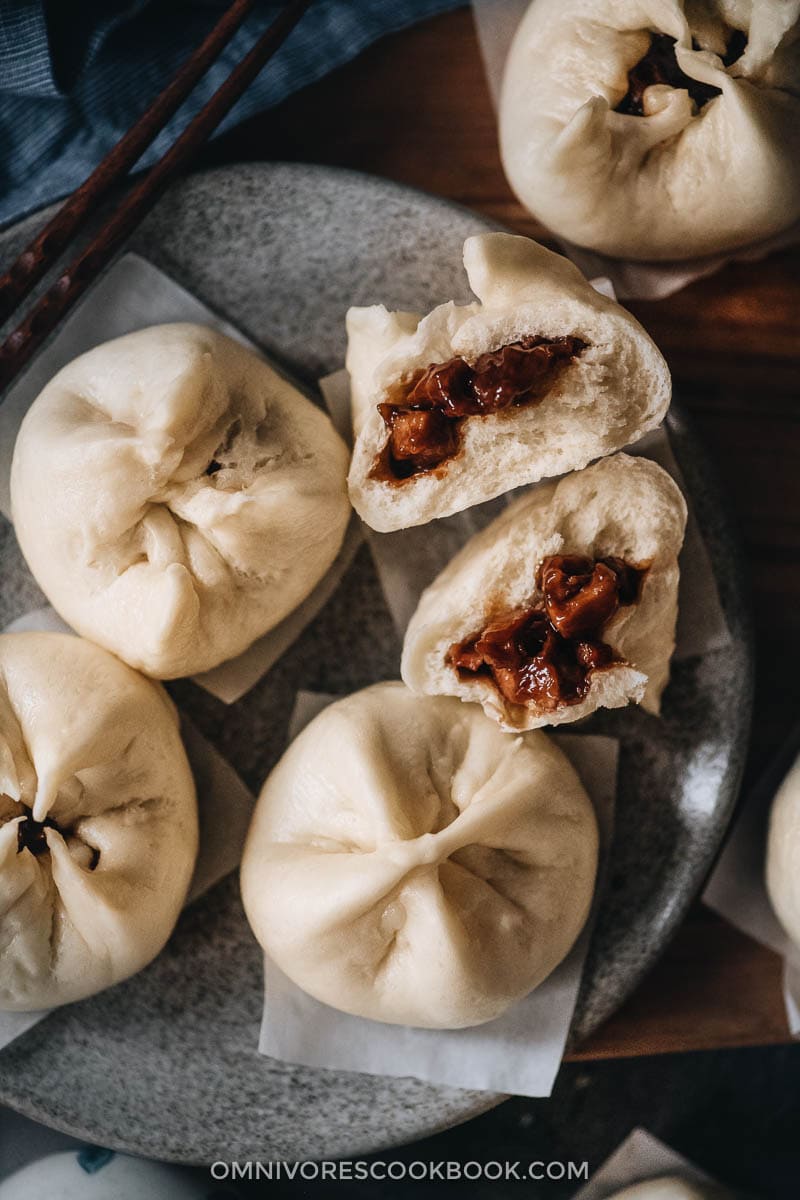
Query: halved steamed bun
pixel 665 130
pixel 539 377
pixel 176 498
pixel 410 863
pixel 566 603
pixel 98 820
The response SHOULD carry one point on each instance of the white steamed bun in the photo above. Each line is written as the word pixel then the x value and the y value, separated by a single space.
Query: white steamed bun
pixel 668 1187
pixel 98 820
pixel 410 863
pixel 783 854
pixel 176 498
pixel 696 153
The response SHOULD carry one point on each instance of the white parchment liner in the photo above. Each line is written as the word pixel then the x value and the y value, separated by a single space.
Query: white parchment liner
pixel 519 1052
pixel 737 888
pixel 639 1158
pixel 132 295
pixel 225 806
pixel 496 23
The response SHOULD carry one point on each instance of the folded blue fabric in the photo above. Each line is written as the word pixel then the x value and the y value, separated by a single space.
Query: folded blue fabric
pixel 75 74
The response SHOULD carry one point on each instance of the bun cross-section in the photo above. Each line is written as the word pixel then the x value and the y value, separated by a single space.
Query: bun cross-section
pixel 566 603
pixel 547 654
pixel 424 415
pixel 539 376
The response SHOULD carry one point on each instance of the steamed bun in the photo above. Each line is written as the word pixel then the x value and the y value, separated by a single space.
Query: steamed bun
pixel 176 498
pixel 550 373
pixel 565 603
pixel 655 129
pixel 98 820
pixel 783 854
pixel 668 1187
pixel 410 863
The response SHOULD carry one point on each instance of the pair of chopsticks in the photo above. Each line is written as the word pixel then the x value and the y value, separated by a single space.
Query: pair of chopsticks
pixel 44 250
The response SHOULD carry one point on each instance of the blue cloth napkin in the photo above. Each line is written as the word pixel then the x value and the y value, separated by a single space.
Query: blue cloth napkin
pixel 75 74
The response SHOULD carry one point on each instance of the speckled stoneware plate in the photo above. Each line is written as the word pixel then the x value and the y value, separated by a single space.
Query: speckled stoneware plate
pixel 166 1065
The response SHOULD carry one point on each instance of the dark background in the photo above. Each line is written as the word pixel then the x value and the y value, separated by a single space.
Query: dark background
pixel 733 1113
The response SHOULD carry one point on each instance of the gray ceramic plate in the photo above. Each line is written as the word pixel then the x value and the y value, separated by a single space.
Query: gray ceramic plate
pixel 166 1064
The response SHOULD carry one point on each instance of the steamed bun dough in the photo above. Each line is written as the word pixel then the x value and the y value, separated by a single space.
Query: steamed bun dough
pixel 601 398
pixel 621 508
pixel 688 177
pixel 409 863
pixel 176 498
pixel 783 854
pixel 98 820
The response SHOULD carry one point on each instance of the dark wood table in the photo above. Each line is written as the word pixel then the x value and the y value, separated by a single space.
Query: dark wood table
pixel 415 108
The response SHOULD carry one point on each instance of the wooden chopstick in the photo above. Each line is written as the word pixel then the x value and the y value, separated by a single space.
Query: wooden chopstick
pixel 20 345
pixel 40 254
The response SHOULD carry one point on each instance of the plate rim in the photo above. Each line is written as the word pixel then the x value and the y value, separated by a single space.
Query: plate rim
pixel 734 552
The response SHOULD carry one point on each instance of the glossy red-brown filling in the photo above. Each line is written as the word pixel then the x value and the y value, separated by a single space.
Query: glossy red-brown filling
pixel 659 65
pixel 30 835
pixel 545 655
pixel 424 414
